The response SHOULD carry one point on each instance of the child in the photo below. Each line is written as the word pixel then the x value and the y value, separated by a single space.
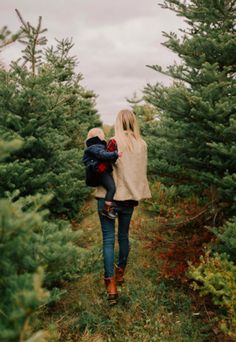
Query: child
pixel 98 161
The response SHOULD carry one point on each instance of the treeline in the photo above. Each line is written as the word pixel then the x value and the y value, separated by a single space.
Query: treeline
pixel 190 128
pixel 45 113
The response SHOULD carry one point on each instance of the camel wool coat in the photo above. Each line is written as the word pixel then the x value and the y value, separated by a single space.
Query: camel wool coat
pixel 130 175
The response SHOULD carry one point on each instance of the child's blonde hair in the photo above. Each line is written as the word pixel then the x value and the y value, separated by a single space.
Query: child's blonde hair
pixel 96 132
pixel 127 129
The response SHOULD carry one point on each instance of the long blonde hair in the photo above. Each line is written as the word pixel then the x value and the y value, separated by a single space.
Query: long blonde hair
pixel 127 130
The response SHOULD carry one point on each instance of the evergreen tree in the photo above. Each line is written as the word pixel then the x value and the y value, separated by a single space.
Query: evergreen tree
pixel 44 115
pixel 21 289
pixel 35 252
pixel 196 139
pixel 43 102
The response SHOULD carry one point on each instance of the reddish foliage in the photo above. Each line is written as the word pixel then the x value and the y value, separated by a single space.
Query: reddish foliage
pixel 183 237
pixel 176 257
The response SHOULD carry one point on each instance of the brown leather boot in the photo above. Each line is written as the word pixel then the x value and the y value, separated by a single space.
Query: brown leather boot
pixel 119 274
pixel 109 212
pixel 110 284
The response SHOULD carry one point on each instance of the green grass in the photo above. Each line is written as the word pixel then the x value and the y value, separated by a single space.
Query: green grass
pixel 149 308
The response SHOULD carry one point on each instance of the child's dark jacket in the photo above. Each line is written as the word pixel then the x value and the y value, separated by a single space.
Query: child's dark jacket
pixel 96 154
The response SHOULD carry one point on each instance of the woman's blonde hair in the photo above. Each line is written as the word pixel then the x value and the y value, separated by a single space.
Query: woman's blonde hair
pixel 127 129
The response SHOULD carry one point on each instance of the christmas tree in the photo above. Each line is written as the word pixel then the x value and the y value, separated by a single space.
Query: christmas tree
pixel 197 134
pixel 42 101
pixel 44 117
pixel 195 138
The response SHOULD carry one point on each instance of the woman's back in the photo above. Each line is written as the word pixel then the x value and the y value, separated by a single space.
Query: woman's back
pixel 129 173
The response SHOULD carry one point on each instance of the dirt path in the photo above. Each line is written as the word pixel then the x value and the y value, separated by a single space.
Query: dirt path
pixel 149 308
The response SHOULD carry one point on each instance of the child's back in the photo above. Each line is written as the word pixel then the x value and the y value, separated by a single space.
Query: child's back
pixel 98 167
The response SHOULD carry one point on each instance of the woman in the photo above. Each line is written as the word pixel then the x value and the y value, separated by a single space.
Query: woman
pixel 130 176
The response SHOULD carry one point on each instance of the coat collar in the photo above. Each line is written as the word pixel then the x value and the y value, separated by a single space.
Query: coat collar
pixel 95 140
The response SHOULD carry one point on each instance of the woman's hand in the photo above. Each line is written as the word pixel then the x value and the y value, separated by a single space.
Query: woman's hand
pixel 120 154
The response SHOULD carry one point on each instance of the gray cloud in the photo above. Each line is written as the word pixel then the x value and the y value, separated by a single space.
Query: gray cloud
pixel 114 41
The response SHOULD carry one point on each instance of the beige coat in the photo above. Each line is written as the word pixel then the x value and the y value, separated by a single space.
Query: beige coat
pixel 130 175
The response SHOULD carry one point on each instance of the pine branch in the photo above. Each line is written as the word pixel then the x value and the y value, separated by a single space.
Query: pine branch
pixel 175 6
pixel 32 40
pixel 173 74
pixel 6 38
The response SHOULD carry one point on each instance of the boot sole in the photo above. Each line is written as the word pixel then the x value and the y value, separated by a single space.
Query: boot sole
pixel 112 302
pixel 110 218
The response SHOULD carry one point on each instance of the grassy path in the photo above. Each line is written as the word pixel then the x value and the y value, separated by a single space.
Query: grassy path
pixel 149 308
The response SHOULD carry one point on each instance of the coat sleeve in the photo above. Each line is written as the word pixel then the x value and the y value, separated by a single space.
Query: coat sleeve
pixel 112 145
pixel 104 155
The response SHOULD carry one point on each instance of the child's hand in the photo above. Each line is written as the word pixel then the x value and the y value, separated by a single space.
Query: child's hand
pixel 120 154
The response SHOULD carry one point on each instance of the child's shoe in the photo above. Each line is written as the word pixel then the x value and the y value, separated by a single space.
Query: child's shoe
pixel 109 212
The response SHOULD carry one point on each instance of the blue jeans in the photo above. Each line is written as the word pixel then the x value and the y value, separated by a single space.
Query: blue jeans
pixel 108 234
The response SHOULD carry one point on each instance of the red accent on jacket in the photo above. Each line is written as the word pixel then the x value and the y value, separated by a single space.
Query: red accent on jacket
pixel 111 147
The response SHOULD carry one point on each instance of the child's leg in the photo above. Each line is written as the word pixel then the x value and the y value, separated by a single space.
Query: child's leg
pixel 107 181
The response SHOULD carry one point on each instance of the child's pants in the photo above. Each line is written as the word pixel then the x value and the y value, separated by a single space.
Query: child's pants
pixel 107 181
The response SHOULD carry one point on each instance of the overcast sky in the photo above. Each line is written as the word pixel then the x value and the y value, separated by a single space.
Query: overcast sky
pixel 114 41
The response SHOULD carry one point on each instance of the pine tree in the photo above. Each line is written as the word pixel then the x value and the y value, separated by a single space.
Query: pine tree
pixel 197 136
pixel 21 289
pixel 42 101
pixel 44 116
pixel 36 253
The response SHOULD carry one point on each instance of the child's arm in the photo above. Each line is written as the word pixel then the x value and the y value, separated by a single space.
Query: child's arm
pixel 112 145
pixel 104 155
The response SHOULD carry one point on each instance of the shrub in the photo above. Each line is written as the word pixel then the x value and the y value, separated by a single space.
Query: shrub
pixel 216 276
pixel 35 253
pixel 226 238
